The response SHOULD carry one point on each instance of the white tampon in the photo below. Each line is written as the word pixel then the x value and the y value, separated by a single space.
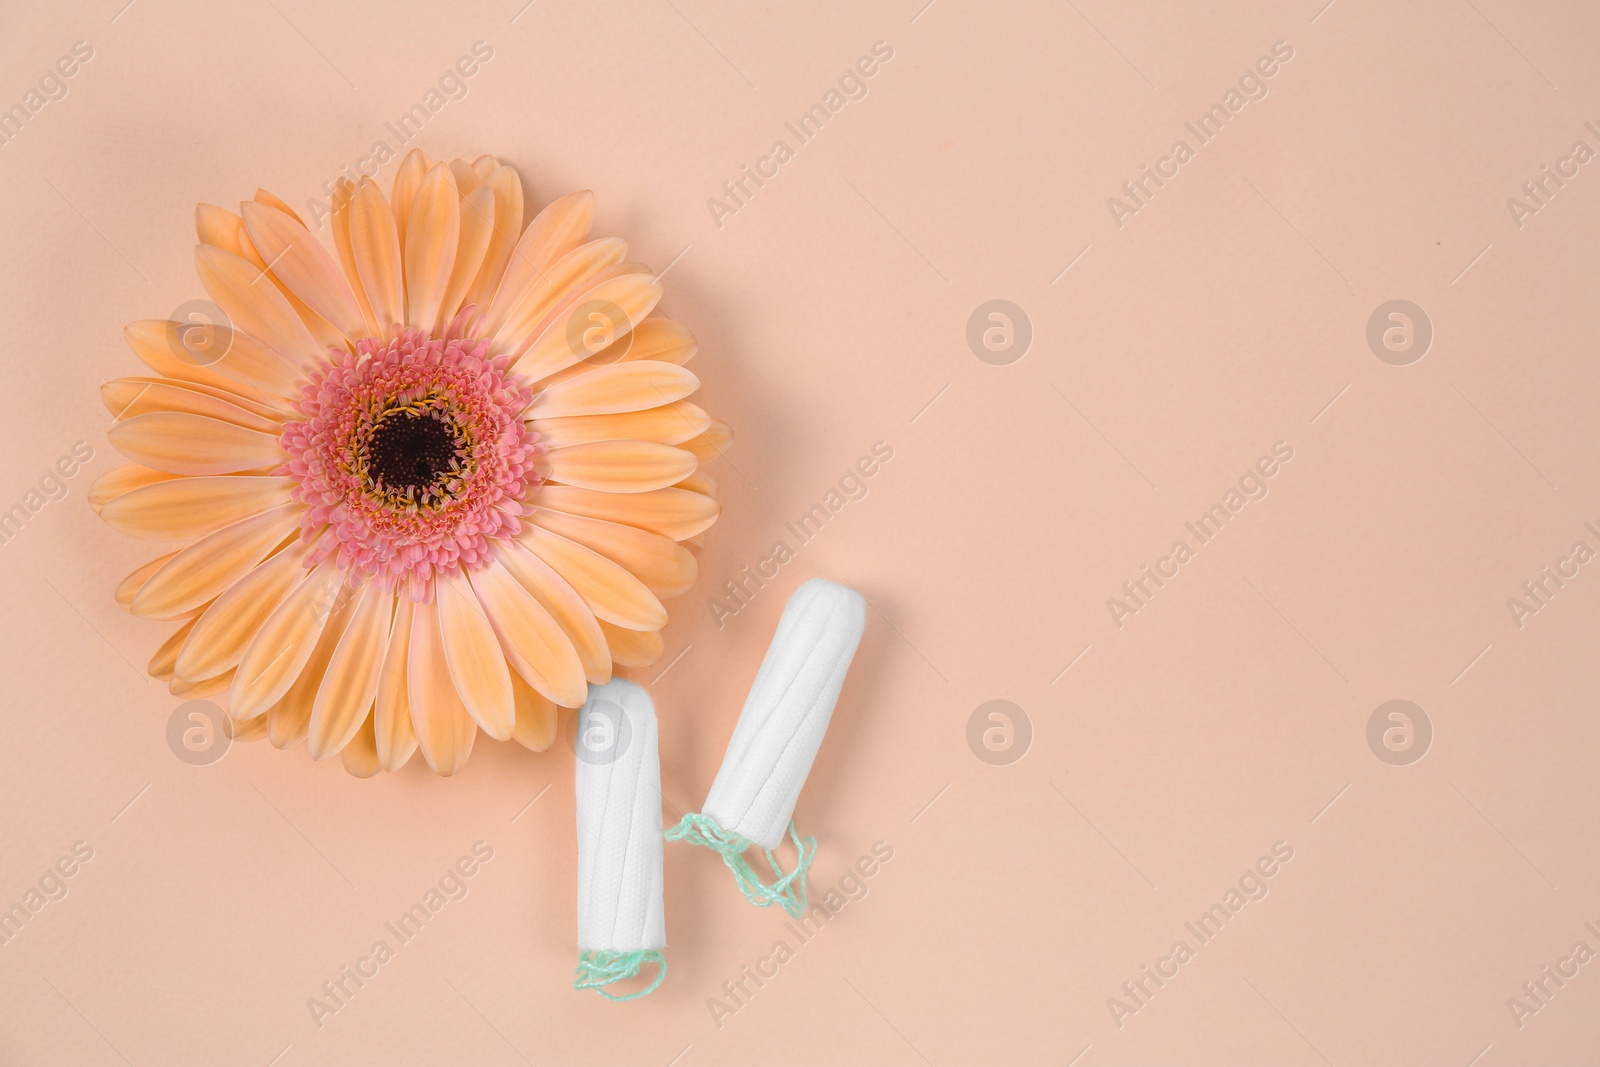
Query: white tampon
pixel 621 924
pixel 769 757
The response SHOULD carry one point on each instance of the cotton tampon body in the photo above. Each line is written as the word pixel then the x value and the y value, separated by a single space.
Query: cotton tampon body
pixel 621 922
pixel 779 731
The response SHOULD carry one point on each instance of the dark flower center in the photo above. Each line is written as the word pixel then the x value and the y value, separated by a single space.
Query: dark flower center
pixel 410 450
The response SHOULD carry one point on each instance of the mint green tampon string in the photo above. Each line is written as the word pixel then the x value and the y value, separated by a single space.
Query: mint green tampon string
pixel 596 970
pixel 788 891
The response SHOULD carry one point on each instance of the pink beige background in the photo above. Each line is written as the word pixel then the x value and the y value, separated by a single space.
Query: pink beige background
pixel 1164 757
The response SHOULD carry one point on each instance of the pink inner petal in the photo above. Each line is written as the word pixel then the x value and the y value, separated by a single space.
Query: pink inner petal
pixel 406 535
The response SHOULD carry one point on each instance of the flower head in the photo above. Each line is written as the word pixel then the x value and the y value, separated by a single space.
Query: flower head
pixel 435 482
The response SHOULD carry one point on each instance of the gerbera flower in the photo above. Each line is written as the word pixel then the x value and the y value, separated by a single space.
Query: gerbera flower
pixel 432 484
